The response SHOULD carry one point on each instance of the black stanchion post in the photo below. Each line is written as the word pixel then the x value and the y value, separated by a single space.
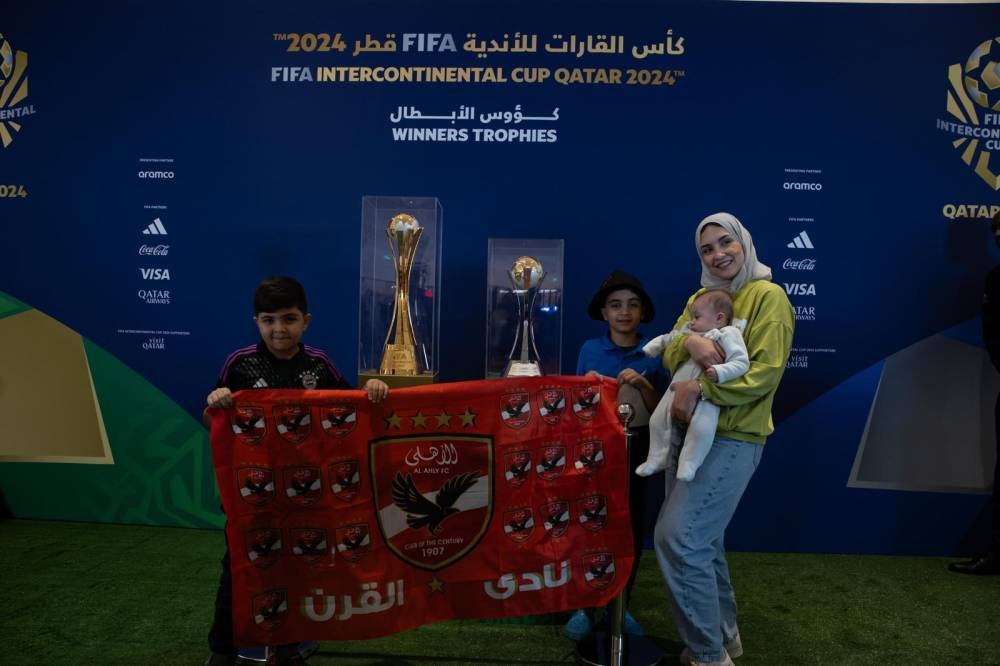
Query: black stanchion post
pixel 619 648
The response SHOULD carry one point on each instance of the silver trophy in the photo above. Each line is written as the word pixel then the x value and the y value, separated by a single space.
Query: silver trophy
pixel 526 276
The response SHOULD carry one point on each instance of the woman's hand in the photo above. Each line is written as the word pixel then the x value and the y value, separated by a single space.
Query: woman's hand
pixel 704 352
pixel 686 396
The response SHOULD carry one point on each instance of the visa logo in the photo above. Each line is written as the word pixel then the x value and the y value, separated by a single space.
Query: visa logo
pixel 800 289
pixel 155 273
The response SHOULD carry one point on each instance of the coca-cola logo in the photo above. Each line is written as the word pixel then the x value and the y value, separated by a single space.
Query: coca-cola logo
pixel 154 250
pixel 799 264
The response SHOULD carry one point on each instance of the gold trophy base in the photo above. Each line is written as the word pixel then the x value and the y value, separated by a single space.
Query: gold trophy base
pixel 398 381
pixel 523 369
pixel 398 359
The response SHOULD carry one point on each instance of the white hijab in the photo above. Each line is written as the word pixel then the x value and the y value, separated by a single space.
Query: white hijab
pixel 751 269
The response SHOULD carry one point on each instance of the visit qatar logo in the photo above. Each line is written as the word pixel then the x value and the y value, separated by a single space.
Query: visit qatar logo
pixel 974 106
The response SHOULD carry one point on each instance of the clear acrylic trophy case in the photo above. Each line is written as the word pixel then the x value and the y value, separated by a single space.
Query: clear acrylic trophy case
pixel 400 281
pixel 524 307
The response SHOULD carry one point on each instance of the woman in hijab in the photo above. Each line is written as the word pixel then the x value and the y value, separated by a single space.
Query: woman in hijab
pixel 693 519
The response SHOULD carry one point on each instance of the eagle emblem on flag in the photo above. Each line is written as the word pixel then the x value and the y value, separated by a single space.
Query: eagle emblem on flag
pixel 263 546
pixel 517 468
pixel 248 423
pixel 551 462
pixel 515 409
pixel 270 609
pixel 308 543
pixel 293 422
pixel 345 480
pixel 353 541
pixel 599 569
pixel 339 419
pixel 593 512
pixel 556 517
pixel 589 456
pixel 518 524
pixel 585 401
pixel 551 404
pixel 303 485
pixel 256 484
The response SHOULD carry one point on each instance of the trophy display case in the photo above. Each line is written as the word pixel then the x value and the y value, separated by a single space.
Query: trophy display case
pixel 400 281
pixel 524 307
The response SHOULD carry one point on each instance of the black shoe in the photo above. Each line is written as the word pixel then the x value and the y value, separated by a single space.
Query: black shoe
pixel 985 565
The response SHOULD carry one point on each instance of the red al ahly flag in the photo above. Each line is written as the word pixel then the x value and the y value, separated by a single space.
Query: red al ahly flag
pixel 479 499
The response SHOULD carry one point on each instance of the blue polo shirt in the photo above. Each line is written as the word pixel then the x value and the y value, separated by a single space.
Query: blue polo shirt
pixel 607 358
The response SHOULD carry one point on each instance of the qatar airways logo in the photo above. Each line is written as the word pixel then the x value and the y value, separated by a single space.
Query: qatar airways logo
pixel 154 250
pixel 799 264
pixel 804 312
pixel 154 296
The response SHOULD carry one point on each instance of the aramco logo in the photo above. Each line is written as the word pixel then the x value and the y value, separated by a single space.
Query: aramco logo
pixel 13 91
pixel 974 103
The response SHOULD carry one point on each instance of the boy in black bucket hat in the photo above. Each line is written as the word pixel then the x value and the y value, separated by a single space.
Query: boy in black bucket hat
pixel 623 303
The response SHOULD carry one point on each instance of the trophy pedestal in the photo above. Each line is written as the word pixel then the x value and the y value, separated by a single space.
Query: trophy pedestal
pixel 399 381
pixel 523 369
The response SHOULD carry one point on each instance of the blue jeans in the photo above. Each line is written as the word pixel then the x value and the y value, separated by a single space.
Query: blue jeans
pixel 688 543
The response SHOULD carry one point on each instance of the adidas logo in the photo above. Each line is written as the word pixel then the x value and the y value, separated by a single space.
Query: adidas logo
pixel 155 229
pixel 801 242
pixel 260 383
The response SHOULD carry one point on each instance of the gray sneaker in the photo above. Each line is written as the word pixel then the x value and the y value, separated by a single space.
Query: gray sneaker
pixel 734 648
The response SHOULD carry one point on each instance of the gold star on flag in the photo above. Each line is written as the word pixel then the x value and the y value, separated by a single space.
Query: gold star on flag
pixel 468 418
pixel 393 421
pixel 444 419
pixel 436 585
pixel 419 420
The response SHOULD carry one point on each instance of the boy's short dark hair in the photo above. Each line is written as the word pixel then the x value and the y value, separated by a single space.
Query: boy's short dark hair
pixel 278 293
pixel 720 301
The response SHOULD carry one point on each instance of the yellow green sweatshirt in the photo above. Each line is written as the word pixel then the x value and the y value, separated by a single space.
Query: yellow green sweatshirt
pixel 746 401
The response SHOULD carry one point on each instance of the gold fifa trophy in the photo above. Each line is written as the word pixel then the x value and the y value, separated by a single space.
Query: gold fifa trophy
pixel 526 275
pixel 399 354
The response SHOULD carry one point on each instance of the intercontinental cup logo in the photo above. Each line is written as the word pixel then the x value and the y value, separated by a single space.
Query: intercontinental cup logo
pixel 974 102
pixel 13 90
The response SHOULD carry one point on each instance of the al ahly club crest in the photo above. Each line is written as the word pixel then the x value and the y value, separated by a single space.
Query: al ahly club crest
pixel 248 423
pixel 515 409
pixel 308 543
pixel 551 462
pixel 585 401
pixel 345 480
pixel 551 404
pixel 517 468
pixel 256 484
pixel 293 421
pixel 518 524
pixel 432 513
pixel 263 545
pixel 353 541
pixel 270 609
pixel 339 419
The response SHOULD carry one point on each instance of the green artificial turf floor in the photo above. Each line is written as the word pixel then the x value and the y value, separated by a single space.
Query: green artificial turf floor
pixel 78 593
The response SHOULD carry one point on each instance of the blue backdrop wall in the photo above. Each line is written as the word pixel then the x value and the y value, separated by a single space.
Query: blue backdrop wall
pixel 222 142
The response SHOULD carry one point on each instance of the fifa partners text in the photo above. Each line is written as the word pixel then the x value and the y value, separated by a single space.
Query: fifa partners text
pixel 563 75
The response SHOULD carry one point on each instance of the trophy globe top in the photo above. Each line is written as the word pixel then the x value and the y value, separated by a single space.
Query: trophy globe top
pixel 403 223
pixel 526 272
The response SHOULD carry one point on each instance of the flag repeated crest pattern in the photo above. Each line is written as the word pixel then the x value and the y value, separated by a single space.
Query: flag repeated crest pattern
pixel 467 500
